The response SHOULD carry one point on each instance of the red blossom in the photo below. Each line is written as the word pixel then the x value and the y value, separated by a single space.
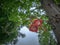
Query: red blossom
pixel 33 28
pixel 37 22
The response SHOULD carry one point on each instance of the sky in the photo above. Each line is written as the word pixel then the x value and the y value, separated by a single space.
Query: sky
pixel 31 38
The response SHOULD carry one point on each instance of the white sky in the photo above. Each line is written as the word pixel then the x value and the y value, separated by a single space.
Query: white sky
pixel 30 39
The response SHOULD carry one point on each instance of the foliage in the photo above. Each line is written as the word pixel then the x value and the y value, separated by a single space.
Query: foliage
pixel 14 13
pixel 45 36
pixel 57 1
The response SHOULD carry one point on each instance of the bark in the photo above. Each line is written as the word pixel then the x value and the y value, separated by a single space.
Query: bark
pixel 53 11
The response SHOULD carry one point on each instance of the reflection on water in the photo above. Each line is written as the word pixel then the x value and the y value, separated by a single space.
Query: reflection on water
pixel 31 38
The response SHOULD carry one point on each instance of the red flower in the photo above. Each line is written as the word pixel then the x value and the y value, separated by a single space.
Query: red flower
pixel 37 22
pixel 33 28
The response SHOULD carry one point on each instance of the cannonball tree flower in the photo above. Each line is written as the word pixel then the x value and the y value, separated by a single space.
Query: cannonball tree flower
pixel 33 28
pixel 38 22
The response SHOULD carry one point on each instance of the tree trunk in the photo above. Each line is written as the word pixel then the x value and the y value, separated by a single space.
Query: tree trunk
pixel 53 11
